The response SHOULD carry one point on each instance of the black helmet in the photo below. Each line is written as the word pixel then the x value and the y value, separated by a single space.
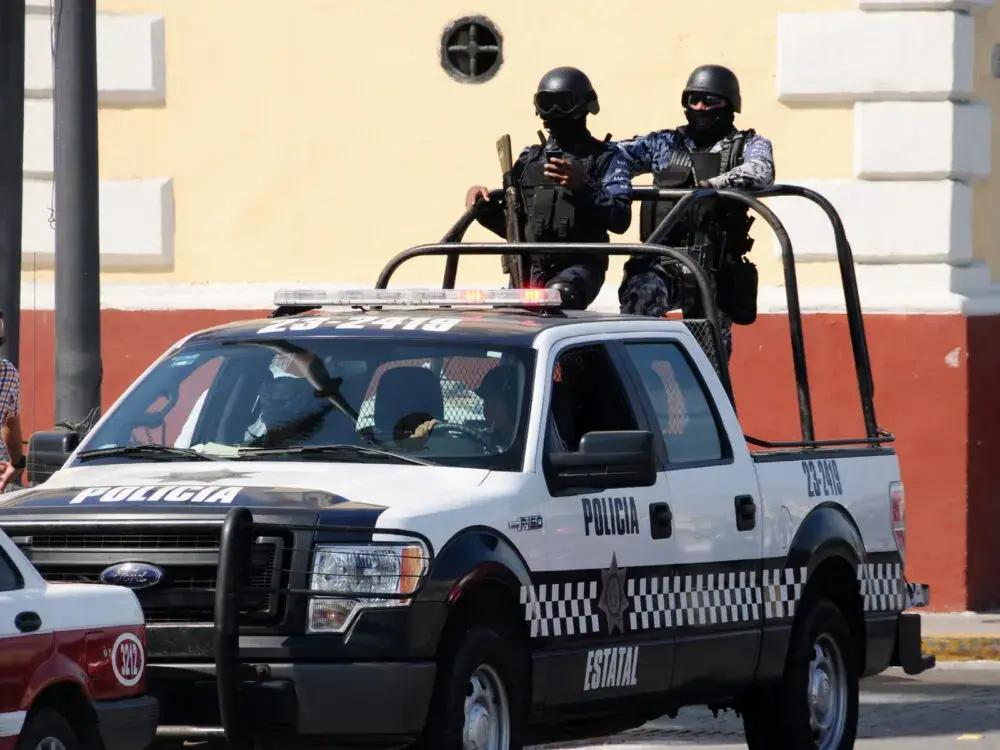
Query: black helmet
pixel 714 79
pixel 565 92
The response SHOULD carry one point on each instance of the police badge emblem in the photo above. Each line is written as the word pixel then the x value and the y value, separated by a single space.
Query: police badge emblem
pixel 613 600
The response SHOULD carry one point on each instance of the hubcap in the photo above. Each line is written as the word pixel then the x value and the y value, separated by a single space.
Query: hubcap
pixel 827 694
pixel 487 715
pixel 50 743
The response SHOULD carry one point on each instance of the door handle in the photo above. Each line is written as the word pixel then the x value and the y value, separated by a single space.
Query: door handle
pixel 661 521
pixel 746 513
pixel 27 622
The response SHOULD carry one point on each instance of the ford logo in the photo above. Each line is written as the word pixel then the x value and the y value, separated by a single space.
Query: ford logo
pixel 132 575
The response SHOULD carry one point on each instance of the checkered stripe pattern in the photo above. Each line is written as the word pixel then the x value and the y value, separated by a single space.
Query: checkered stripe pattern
pixel 782 591
pixel 882 587
pixel 695 599
pixel 561 608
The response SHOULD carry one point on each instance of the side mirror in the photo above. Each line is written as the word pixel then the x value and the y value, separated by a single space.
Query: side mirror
pixel 605 460
pixel 48 451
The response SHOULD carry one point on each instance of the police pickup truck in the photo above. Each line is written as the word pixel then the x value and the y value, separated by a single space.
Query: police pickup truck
pixel 470 519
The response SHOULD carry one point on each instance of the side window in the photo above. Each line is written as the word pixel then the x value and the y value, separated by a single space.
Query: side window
pixel 682 405
pixel 587 396
pixel 10 577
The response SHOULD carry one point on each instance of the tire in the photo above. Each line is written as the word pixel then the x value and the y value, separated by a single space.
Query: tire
pixel 477 661
pixel 820 686
pixel 48 730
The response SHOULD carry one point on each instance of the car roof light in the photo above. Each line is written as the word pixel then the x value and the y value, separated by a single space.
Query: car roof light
pixel 419 297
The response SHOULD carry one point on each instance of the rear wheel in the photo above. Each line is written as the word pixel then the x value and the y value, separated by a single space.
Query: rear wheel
pixel 815 707
pixel 48 730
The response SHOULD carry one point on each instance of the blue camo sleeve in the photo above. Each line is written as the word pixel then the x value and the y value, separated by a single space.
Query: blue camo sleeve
pixel 756 171
pixel 612 196
pixel 645 153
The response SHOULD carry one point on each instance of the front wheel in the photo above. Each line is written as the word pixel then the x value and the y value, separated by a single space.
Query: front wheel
pixel 480 694
pixel 48 730
pixel 815 707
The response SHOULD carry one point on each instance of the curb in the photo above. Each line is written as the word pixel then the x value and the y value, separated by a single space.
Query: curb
pixel 962 647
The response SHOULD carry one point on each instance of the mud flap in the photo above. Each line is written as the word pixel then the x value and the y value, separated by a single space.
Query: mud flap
pixel 906 653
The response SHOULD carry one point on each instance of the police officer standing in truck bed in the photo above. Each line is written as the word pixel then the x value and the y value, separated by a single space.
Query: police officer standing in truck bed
pixel 707 152
pixel 575 188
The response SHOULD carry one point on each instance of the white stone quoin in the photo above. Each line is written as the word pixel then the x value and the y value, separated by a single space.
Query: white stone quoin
pixel 858 56
pixel 922 140
pixel 917 221
pixel 136 216
pixel 136 223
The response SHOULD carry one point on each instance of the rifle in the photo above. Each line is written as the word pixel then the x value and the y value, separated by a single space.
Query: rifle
pixel 514 265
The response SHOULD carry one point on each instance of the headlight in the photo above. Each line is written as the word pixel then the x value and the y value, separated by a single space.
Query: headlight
pixel 395 569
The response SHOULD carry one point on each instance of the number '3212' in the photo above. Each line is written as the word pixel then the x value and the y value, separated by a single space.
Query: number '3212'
pixel 822 478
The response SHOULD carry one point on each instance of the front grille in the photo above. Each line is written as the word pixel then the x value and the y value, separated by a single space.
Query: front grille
pixel 188 557
pixel 132 540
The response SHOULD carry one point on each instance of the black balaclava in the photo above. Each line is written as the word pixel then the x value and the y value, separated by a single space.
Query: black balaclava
pixel 568 132
pixel 708 127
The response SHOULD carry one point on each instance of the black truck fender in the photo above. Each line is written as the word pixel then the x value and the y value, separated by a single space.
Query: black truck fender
pixel 479 571
pixel 828 545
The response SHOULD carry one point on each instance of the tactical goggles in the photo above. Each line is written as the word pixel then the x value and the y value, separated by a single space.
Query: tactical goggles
pixel 709 100
pixel 557 102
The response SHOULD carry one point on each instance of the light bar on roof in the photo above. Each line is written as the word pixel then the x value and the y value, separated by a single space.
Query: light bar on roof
pixel 420 297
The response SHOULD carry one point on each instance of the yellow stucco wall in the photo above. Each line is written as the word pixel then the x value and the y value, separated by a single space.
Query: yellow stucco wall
pixel 283 120
pixel 986 194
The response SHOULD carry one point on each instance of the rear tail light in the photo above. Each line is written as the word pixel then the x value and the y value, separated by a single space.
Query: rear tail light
pixel 897 516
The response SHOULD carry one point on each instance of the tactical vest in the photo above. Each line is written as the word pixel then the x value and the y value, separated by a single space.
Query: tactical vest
pixel 553 212
pixel 720 222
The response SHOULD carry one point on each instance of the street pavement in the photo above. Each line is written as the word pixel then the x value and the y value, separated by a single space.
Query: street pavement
pixel 954 705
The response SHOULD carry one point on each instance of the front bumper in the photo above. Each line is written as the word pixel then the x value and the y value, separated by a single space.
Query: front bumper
pixel 374 703
pixel 128 724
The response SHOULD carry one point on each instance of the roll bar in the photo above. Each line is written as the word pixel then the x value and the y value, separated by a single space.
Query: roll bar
pixel 874 435
pixel 575 248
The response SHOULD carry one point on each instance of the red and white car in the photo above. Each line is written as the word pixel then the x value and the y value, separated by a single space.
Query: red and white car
pixel 72 663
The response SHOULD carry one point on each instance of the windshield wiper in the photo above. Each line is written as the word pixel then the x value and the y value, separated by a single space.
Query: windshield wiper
pixel 342 450
pixel 151 451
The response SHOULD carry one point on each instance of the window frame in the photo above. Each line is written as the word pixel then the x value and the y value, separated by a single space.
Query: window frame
pixel 725 443
pixel 618 366
pixel 18 575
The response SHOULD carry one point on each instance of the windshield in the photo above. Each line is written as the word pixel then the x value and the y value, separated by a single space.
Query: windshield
pixel 333 399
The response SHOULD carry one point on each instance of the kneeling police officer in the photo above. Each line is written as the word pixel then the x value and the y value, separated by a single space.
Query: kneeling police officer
pixel 707 152
pixel 574 188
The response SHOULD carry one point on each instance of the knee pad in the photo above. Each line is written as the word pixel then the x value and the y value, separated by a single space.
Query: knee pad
pixel 571 299
pixel 646 294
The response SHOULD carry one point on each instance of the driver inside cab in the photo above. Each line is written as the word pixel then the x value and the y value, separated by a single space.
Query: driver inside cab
pixel 499 392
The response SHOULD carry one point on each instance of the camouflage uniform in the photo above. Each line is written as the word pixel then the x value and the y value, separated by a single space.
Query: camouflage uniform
pixel 670 287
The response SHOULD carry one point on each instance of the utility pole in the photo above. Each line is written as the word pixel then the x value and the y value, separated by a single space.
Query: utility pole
pixel 79 370
pixel 11 170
